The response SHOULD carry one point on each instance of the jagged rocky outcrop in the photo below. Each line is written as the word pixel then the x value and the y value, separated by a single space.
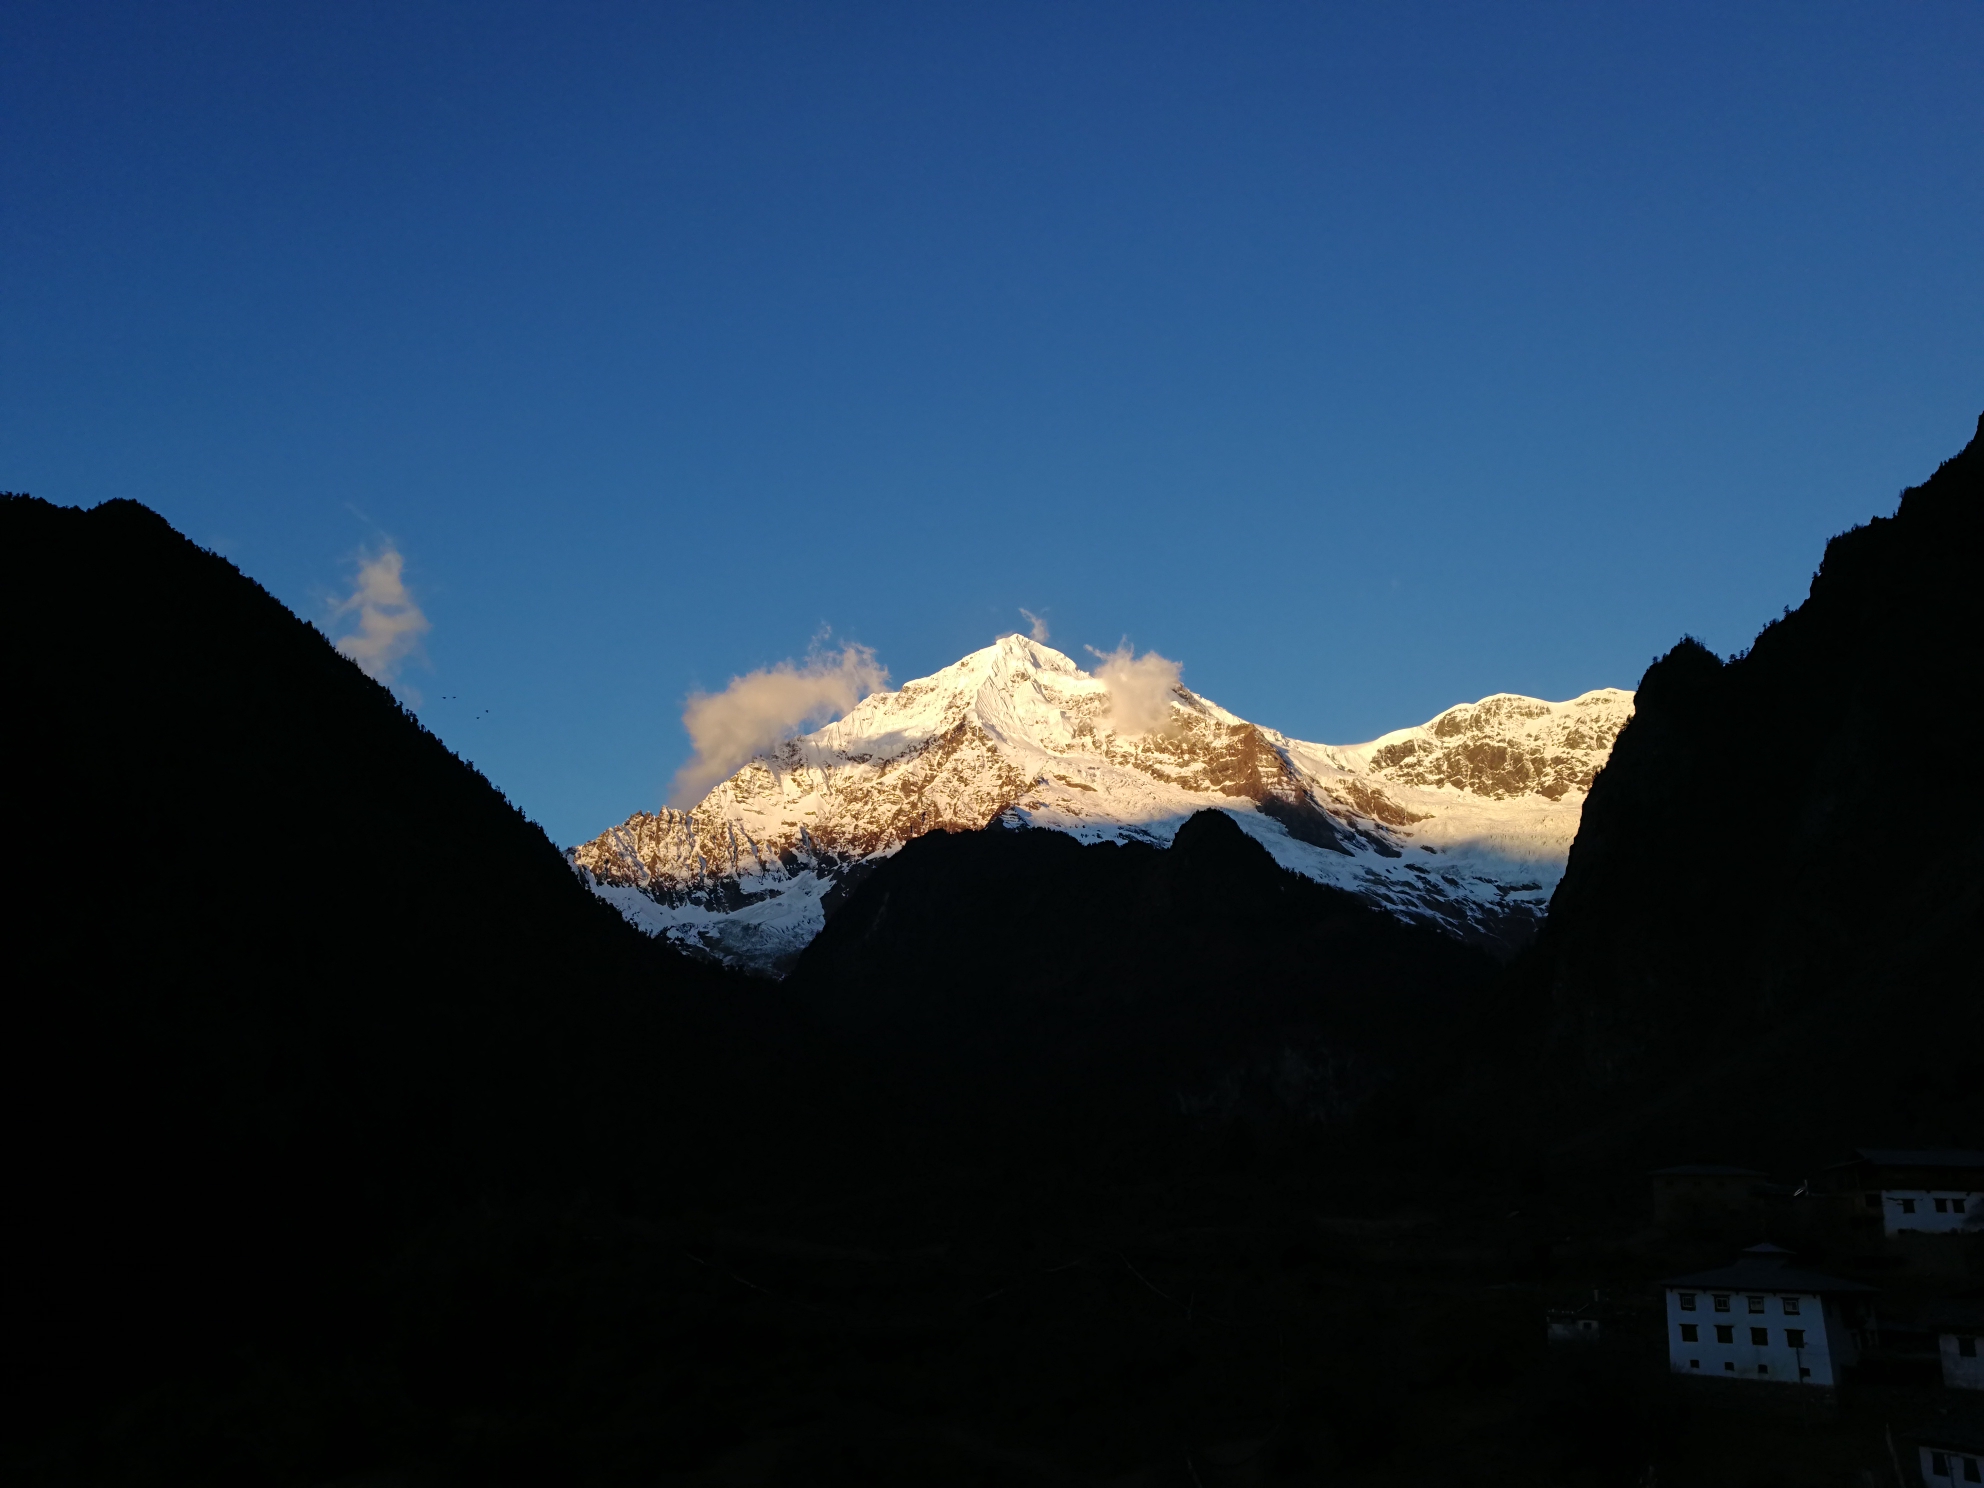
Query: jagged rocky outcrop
pixel 1462 822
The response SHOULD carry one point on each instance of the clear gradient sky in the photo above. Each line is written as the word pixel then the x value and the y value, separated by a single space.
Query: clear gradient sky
pixel 1366 359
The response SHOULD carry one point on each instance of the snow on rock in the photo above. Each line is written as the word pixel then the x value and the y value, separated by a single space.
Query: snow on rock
pixel 1463 822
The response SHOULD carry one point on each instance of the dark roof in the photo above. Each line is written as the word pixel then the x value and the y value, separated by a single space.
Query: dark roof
pixel 1964 1433
pixel 1706 1170
pixel 1756 1273
pixel 1954 1317
pixel 1919 1157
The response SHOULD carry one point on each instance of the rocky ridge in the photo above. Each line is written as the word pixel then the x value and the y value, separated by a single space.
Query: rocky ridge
pixel 1464 821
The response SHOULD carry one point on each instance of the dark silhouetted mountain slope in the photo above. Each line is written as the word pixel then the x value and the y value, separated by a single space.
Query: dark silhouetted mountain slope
pixel 1768 932
pixel 253 1042
pixel 1095 989
pixel 350 1138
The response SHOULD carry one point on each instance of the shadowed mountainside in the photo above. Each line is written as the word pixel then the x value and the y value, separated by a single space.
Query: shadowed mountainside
pixel 1770 919
pixel 252 1043
pixel 321 1161
pixel 1106 987
pixel 1050 1162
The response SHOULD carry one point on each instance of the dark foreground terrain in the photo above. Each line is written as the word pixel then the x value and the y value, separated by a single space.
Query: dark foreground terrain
pixel 334 1160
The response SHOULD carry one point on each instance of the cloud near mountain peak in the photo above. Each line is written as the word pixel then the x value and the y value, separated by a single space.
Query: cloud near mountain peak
pixel 764 707
pixel 1140 687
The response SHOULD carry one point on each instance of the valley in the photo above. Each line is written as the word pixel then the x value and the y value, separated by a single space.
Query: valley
pixel 1130 1114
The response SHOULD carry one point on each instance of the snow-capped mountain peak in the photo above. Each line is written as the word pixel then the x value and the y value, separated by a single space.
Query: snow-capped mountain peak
pixel 1464 820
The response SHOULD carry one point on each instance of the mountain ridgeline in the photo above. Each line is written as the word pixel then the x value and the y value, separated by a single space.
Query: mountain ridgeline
pixel 1029 982
pixel 1460 823
pixel 1769 923
pixel 1151 1117
pixel 253 1045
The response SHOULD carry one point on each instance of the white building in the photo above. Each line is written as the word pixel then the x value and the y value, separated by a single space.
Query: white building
pixel 1959 1330
pixel 1951 1453
pixel 1764 1319
pixel 1928 1191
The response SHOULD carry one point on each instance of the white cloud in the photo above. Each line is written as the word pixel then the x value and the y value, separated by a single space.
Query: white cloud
pixel 1039 625
pixel 1140 688
pixel 390 624
pixel 760 708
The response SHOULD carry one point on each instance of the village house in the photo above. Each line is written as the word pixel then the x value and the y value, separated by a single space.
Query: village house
pixel 1764 1319
pixel 1573 1324
pixel 1695 1193
pixel 1951 1452
pixel 1568 1326
pixel 1959 1330
pixel 1919 1190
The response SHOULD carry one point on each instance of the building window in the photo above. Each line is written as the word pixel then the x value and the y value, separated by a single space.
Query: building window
pixel 1966 1348
pixel 1908 1206
pixel 1970 1470
pixel 1724 1333
pixel 1803 1372
pixel 1690 1333
pixel 1694 1363
pixel 1956 1206
pixel 1722 1303
pixel 1728 1366
pixel 1763 1369
pixel 1942 1206
pixel 1687 1301
pixel 1794 1337
pixel 1756 1304
pixel 1939 1464
pixel 1790 1306
pixel 1760 1336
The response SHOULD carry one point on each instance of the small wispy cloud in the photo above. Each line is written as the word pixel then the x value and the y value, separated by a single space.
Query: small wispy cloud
pixel 760 708
pixel 390 624
pixel 1039 631
pixel 1140 687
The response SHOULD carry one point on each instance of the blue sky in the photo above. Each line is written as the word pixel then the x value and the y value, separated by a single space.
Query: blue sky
pixel 1365 359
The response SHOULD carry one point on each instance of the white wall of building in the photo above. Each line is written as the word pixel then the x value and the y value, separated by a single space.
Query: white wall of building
pixel 1963 1371
pixel 1803 1340
pixel 1957 1467
pixel 1915 1209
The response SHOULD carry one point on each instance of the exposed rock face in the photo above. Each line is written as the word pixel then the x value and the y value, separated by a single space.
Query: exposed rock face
pixel 1464 821
pixel 1507 746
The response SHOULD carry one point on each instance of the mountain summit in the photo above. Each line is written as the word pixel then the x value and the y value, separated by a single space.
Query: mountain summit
pixel 1464 821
